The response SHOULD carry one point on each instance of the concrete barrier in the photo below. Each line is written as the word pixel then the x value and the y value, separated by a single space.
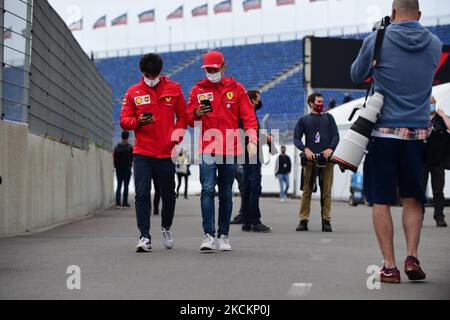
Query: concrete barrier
pixel 46 183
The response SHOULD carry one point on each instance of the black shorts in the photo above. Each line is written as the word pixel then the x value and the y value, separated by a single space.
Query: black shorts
pixel 391 164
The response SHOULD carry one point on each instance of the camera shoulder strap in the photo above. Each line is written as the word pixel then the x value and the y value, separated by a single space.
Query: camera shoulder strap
pixel 376 59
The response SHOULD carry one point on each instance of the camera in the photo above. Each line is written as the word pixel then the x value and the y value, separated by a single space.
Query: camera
pixel 352 147
pixel 319 160
pixel 382 24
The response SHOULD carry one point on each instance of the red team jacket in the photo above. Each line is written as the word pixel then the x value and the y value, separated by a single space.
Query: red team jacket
pixel 165 101
pixel 229 102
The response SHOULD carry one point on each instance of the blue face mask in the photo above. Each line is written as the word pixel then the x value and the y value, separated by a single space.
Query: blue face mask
pixel 432 108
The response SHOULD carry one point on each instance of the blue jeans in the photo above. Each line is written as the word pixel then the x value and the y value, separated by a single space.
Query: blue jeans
pixel 164 170
pixel 223 175
pixel 123 176
pixel 251 181
pixel 284 180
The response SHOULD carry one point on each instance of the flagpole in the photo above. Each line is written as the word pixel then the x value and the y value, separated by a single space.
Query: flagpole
pixel 170 38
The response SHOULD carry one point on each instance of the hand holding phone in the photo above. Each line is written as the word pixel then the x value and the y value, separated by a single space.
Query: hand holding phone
pixel 145 119
pixel 204 108
pixel 206 103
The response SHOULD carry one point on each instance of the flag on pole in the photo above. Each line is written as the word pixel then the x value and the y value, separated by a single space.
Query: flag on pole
pixel 7 34
pixel 76 25
pixel 224 6
pixel 285 2
pixel 100 23
pixel 200 10
pixel 120 20
pixel 147 16
pixel 177 14
pixel 251 5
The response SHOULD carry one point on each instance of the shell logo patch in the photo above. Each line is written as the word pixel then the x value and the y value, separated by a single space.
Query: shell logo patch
pixel 230 95
pixel 142 100
pixel 205 96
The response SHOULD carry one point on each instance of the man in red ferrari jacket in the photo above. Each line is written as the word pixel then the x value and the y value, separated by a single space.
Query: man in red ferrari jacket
pixel 150 108
pixel 220 143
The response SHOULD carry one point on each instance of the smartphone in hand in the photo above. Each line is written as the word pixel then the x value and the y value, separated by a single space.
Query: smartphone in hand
pixel 207 103
pixel 147 114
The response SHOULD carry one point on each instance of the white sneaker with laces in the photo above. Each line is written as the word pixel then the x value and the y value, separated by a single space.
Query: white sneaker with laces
pixel 223 243
pixel 167 238
pixel 144 245
pixel 208 244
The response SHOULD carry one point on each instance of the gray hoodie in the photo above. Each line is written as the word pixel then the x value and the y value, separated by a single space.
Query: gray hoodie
pixel 404 75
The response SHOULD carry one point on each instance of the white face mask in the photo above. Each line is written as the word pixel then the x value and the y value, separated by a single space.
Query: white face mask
pixel 214 77
pixel 151 83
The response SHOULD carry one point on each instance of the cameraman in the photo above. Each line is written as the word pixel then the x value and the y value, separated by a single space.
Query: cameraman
pixel 321 138
pixel 404 75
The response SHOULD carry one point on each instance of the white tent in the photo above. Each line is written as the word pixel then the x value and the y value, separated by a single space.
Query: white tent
pixel 342 113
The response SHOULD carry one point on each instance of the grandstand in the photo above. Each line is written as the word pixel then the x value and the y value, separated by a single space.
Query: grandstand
pixel 273 67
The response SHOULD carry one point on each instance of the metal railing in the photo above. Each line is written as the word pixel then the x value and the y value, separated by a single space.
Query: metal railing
pixel 48 81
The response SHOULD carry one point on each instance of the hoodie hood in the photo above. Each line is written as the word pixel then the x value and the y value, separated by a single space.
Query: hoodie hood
pixel 409 35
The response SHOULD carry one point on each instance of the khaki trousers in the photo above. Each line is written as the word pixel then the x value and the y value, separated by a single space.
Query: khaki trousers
pixel 305 207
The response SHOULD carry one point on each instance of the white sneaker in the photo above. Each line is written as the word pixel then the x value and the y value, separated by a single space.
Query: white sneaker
pixel 282 200
pixel 208 244
pixel 144 245
pixel 223 243
pixel 167 238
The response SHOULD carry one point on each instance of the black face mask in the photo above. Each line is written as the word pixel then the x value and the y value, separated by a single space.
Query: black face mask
pixel 258 105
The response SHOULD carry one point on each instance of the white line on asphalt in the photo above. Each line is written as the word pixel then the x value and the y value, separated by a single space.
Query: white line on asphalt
pixel 299 289
pixel 325 240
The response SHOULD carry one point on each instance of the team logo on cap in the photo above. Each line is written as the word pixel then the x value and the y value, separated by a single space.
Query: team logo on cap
pixel 230 95
pixel 168 99
pixel 142 100
pixel 205 96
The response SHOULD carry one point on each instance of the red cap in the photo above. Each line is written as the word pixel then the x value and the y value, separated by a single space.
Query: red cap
pixel 213 59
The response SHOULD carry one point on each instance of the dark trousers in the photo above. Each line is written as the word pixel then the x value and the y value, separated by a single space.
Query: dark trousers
pixel 123 176
pixel 157 196
pixel 180 176
pixel 164 170
pixel 437 185
pixel 251 183
pixel 238 176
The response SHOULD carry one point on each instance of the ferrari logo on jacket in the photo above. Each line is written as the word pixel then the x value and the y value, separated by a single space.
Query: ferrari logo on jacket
pixel 230 95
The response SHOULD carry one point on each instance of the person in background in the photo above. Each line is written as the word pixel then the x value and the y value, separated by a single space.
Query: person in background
pixel 283 169
pixel 436 154
pixel 321 139
pixel 182 169
pixel 123 161
pixel 251 213
pixel 331 103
